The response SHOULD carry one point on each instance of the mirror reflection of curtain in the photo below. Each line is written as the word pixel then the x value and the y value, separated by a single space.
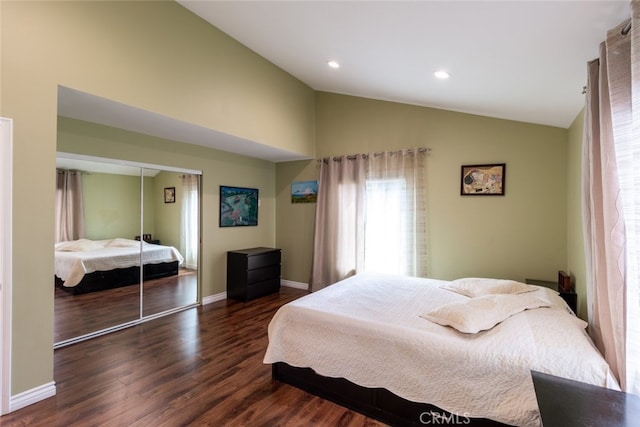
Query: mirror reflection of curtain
pixel 189 226
pixel 69 206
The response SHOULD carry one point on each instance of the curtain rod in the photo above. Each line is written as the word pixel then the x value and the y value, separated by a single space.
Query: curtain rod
pixel 378 153
pixel 81 172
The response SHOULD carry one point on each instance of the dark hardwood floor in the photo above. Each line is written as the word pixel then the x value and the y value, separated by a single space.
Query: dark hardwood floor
pixel 199 367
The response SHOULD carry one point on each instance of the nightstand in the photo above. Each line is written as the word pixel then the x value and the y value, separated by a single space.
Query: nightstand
pixel 570 297
pixel 149 240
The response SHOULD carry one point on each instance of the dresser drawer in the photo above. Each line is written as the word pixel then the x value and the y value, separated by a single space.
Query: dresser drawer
pixel 263 260
pixel 259 289
pixel 262 274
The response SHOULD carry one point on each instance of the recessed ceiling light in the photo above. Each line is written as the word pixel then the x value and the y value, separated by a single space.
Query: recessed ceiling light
pixel 333 64
pixel 441 74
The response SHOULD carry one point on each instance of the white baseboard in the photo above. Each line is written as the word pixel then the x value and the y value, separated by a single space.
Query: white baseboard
pixel 32 396
pixel 214 298
pixel 292 284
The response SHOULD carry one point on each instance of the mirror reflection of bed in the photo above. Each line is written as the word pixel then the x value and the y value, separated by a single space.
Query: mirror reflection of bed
pixel 127 223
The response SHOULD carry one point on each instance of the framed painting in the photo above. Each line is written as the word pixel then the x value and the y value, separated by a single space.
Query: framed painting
pixel 238 206
pixel 170 195
pixel 304 191
pixel 483 180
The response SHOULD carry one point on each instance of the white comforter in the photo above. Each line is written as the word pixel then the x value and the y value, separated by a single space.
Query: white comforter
pixel 75 259
pixel 368 330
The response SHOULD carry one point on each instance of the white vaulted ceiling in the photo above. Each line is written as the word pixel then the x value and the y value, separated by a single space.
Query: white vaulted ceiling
pixel 518 60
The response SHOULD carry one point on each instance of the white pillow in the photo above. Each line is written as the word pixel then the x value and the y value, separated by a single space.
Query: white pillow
pixel 80 245
pixel 482 313
pixel 477 287
pixel 123 243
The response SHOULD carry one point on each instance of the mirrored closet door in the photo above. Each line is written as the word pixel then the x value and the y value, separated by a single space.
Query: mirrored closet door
pixel 176 215
pixel 127 244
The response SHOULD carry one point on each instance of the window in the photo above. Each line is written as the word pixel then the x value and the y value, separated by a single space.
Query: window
pixel 385 226
pixel 370 216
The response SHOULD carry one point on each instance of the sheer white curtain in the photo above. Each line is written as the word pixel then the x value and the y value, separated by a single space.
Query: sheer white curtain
pixel 189 223
pixel 395 216
pixel 611 202
pixel 69 217
pixel 370 216
pixel 632 186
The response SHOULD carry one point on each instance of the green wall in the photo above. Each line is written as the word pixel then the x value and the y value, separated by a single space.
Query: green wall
pixel 168 215
pixel 112 201
pixel 295 221
pixel 156 56
pixel 521 235
pixel 112 205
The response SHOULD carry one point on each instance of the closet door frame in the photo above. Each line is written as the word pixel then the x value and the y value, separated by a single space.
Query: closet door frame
pixel 6 259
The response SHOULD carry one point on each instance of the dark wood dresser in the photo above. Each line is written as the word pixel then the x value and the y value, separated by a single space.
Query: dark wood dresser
pixel 252 273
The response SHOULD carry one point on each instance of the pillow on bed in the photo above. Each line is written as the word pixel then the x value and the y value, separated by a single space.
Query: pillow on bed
pixel 123 243
pixel 79 245
pixel 477 287
pixel 482 313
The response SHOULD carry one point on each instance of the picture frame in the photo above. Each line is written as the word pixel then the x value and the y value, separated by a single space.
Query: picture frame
pixel 483 180
pixel 170 194
pixel 304 192
pixel 238 206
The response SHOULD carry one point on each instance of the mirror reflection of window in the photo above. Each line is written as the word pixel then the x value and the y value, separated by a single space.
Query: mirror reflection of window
pixel 175 225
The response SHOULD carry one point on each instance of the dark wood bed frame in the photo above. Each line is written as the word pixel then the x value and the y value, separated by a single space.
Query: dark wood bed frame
pixel 118 277
pixel 377 403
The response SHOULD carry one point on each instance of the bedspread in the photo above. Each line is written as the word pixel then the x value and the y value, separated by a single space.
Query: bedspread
pixel 368 330
pixel 71 266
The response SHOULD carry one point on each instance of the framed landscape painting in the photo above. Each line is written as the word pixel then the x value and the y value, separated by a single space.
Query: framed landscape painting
pixel 304 191
pixel 482 180
pixel 238 206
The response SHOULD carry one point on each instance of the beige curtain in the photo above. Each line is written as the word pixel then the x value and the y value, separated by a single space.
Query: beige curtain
pixel 370 216
pixel 611 164
pixel 339 222
pixel 69 218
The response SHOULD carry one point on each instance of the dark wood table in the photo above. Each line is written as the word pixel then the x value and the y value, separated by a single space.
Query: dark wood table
pixel 568 403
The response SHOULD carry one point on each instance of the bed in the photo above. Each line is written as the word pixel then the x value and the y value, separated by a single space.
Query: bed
pixel 392 348
pixel 84 265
